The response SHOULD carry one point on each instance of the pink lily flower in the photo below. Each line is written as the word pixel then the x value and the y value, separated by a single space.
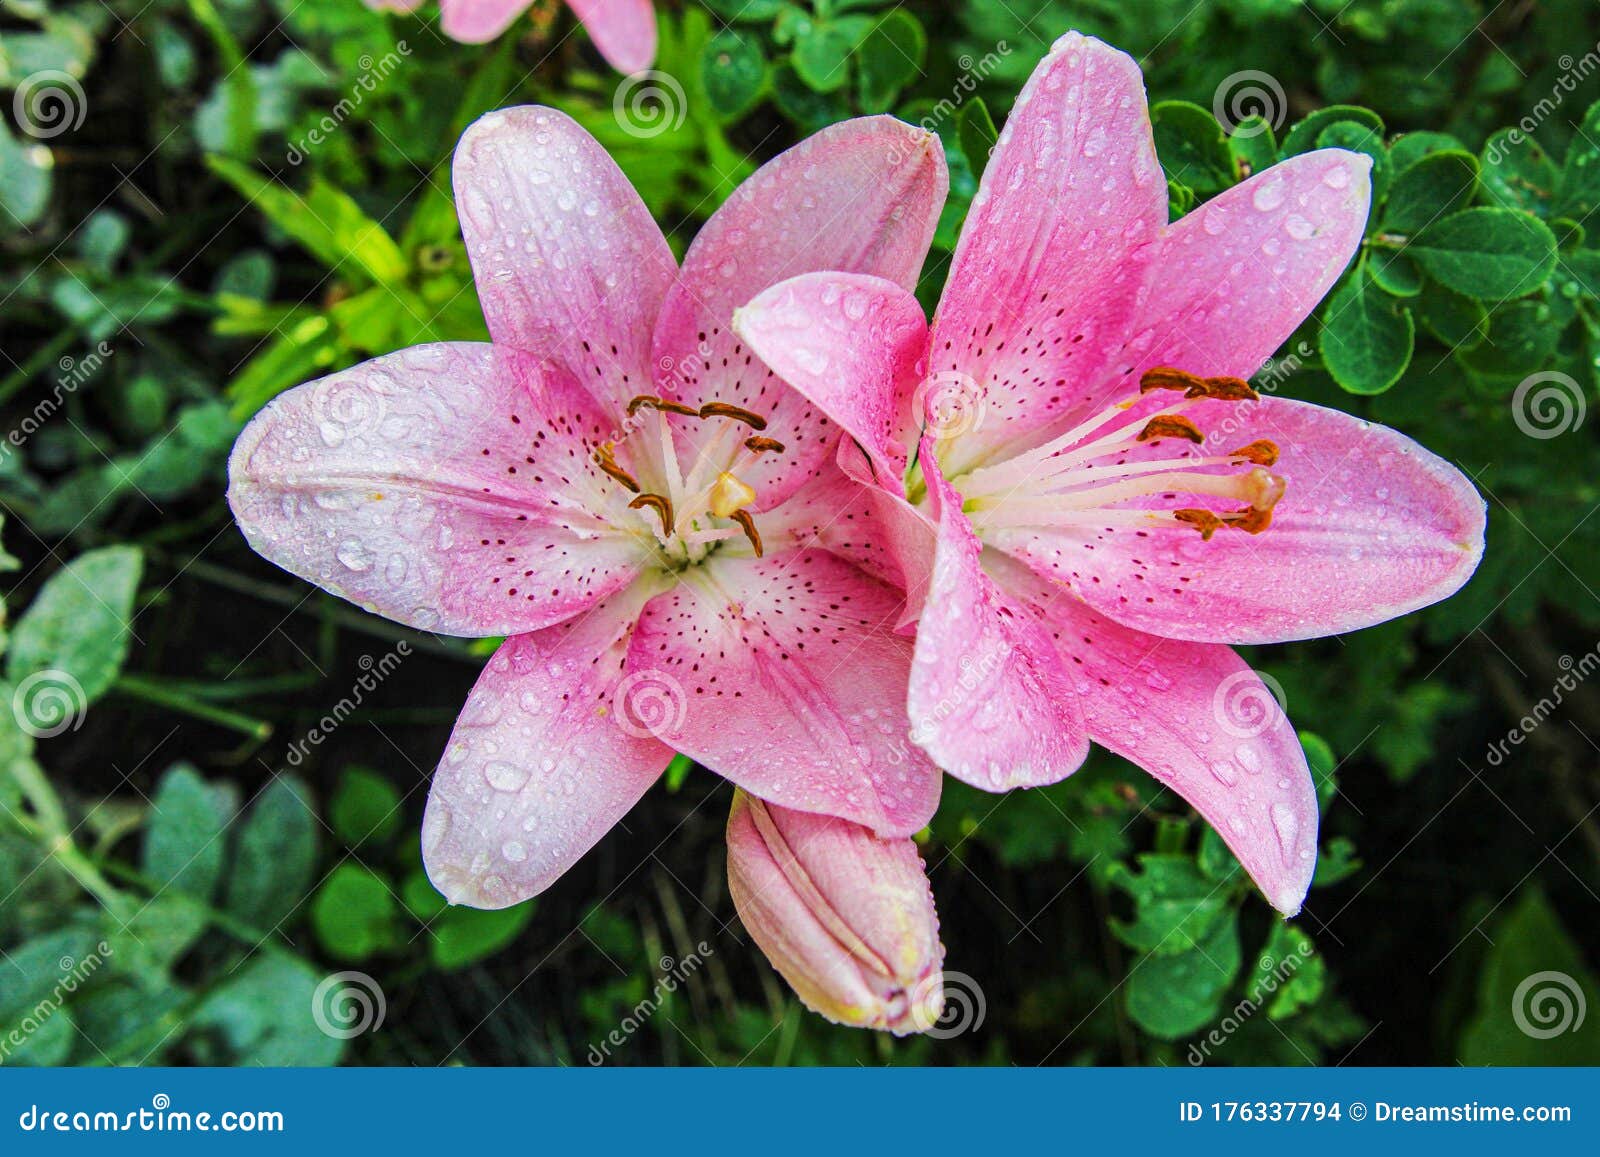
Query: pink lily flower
pixel 619 486
pixel 1087 498
pixel 624 31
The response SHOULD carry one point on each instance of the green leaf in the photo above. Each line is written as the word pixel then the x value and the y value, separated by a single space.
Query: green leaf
pixel 1289 975
pixel 889 57
pixel 1192 146
pixel 977 133
pixel 747 11
pixel 1395 273
pixel 1459 322
pixel 1366 338
pixel 1173 996
pixel 74 636
pixel 263 1016
pixel 458 937
pixel 1578 193
pixel 1487 253
pixel 365 807
pixel 1252 146
pixel 355 915
pixel 1409 148
pixel 734 70
pixel 821 56
pixel 327 222
pixel 184 846
pixel 1434 187
pixel 25 178
pixel 1517 173
pixel 156 936
pixel 275 855
pixel 1303 137
pixel 1534 981
pixel 1175 904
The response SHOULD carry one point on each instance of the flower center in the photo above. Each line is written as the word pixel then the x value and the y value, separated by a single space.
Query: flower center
pixel 679 513
pixel 1125 454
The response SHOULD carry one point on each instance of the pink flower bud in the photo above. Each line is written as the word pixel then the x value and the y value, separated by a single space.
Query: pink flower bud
pixel 846 918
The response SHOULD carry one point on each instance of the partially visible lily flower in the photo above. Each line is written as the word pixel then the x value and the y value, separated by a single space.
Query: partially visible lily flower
pixel 623 30
pixel 1086 494
pixel 845 917
pixel 617 484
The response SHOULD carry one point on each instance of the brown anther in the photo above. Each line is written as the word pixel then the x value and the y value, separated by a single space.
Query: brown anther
pixel 1262 452
pixel 1251 520
pixel 1170 426
pixel 1168 378
pixel 760 445
pixel 1202 520
pixel 737 413
pixel 650 401
pixel 1226 389
pixel 606 458
pixel 662 506
pixel 748 525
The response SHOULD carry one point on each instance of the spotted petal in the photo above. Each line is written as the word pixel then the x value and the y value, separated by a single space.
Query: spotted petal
pixel 448 487
pixel 793 685
pixel 568 261
pixel 623 30
pixel 540 764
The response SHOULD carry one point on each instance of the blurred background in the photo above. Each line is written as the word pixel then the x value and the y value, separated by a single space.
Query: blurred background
pixel 212 775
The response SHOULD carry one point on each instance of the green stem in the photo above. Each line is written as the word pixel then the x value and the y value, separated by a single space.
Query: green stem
pixel 50 829
pixel 151 691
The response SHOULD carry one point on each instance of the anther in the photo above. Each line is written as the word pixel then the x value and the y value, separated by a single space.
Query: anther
pixel 1194 386
pixel 662 506
pixel 748 525
pixel 757 444
pixel 605 457
pixel 1170 426
pixel 737 413
pixel 650 401
pixel 1262 452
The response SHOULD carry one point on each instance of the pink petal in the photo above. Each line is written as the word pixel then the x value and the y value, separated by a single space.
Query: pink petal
pixel 1044 278
pixel 446 487
pixel 1233 279
pixel 623 30
pixel 1371 526
pixel 540 764
pixel 852 345
pixel 478 21
pixel 568 261
pixel 1198 719
pixel 862 196
pixel 844 518
pixel 793 684
pixel 990 700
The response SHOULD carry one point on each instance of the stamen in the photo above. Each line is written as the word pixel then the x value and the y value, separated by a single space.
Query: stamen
pixel 605 457
pixel 650 401
pixel 662 507
pixel 737 413
pixel 742 517
pixel 1194 386
pixel 758 444
pixel 729 495
pixel 1262 452
pixel 1171 426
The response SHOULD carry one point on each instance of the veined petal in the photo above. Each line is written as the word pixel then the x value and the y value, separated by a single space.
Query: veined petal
pixel 568 261
pixel 852 345
pixel 989 697
pixel 1043 282
pixel 1233 279
pixel 1203 724
pixel 862 196
pixel 793 685
pixel 478 21
pixel 623 30
pixel 1371 526
pixel 449 487
pixel 540 765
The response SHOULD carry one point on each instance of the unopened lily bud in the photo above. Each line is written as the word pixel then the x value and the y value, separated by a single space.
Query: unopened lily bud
pixel 846 918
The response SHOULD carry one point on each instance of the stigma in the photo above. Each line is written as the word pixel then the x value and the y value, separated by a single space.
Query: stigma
pixel 1136 464
pixel 682 512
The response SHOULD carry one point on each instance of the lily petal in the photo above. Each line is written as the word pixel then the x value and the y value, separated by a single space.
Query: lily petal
pixel 540 764
pixel 447 487
pixel 1371 526
pixel 1203 724
pixel 1054 251
pixel 862 196
pixel 568 261
pixel 990 699
pixel 478 21
pixel 623 30
pixel 792 682
pixel 851 344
